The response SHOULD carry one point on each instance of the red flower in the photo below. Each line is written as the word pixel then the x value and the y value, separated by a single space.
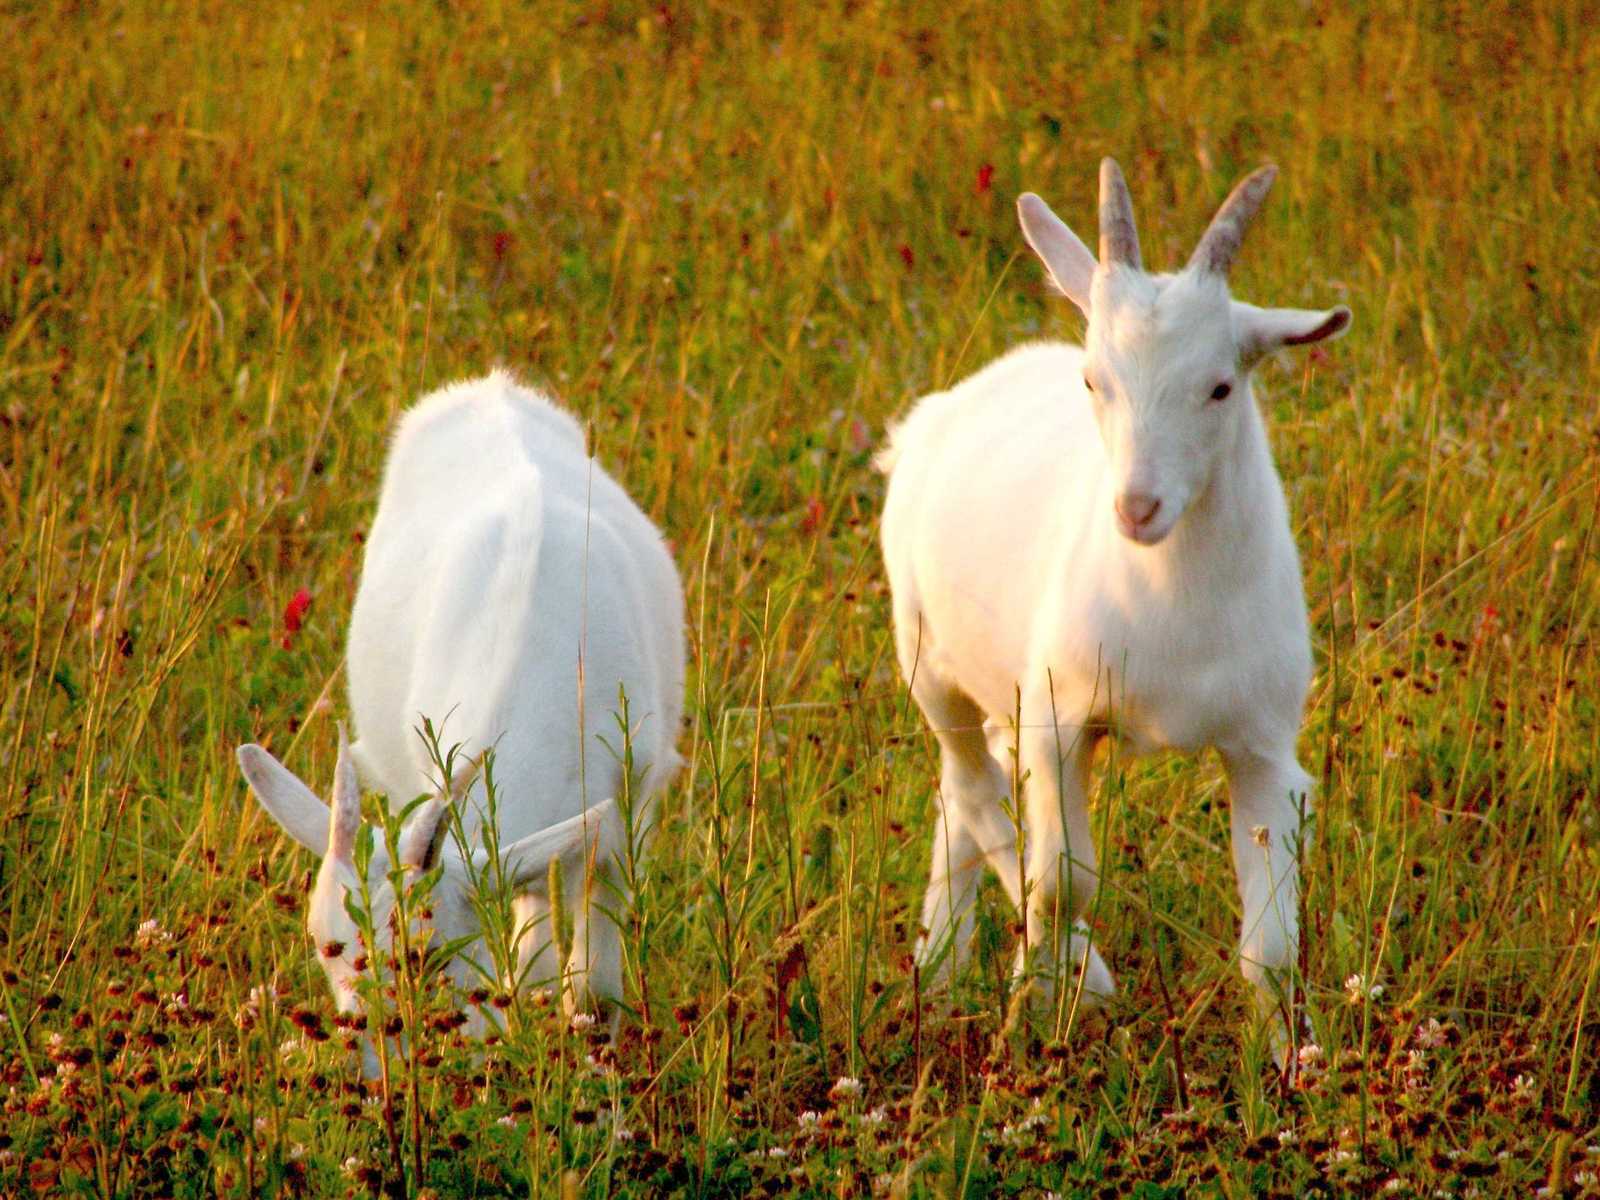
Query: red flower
pixel 294 615
pixel 907 257
pixel 985 178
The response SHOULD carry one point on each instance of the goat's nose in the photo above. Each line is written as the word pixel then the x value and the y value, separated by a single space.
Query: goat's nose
pixel 1137 508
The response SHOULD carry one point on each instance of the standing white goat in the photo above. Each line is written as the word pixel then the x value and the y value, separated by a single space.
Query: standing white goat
pixel 1096 540
pixel 513 593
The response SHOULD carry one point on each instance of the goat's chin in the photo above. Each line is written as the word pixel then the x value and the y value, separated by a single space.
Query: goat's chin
pixel 1144 535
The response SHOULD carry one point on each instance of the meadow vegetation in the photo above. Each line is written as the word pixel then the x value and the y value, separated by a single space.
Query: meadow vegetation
pixel 235 240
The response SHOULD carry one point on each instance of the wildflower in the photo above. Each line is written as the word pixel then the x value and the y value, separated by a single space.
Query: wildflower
pixel 1430 1035
pixel 294 615
pixel 261 1124
pixel 150 934
pixel 1395 1184
pixel 582 1021
pixel 351 1165
pixel 1288 1137
pixel 1524 1088
pixel 508 1121
pixel 777 1152
pixel 808 1120
pixel 1358 990
pixel 297 1152
pixel 625 1135
pixel 1261 836
pixel 875 1117
pixel 847 1087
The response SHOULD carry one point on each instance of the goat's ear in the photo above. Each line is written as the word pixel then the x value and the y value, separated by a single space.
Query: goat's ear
pixel 1260 331
pixel 1064 255
pixel 292 804
pixel 527 861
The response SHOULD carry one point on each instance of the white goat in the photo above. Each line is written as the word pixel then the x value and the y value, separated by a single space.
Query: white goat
pixel 512 593
pixel 1096 540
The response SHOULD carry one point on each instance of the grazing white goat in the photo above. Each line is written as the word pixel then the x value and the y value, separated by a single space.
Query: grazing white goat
pixel 512 593
pixel 1095 541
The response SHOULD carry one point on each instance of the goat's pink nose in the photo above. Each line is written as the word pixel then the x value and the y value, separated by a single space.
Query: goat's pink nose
pixel 1137 508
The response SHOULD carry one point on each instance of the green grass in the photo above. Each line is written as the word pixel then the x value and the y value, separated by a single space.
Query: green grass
pixel 236 240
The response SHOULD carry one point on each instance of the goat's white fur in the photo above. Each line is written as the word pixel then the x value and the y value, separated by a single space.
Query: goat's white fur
pixel 511 592
pixel 1118 564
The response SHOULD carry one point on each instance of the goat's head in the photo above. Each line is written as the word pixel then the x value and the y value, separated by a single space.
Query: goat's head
pixel 448 918
pixel 1167 358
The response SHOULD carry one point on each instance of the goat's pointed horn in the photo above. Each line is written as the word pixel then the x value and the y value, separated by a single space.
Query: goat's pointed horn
pixel 1119 238
pixel 424 833
pixel 346 822
pixel 1220 242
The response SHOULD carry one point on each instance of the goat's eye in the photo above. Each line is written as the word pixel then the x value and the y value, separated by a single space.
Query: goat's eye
pixel 1087 383
pixel 1221 391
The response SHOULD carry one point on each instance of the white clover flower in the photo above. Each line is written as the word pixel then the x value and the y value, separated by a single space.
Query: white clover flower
pixel 582 1021
pixel 1359 991
pixel 261 1124
pixel 777 1152
pixel 297 1151
pixel 1394 1184
pixel 150 934
pixel 1430 1034
pixel 596 1066
pixel 875 1117
pixel 1524 1087
pixel 808 1120
pixel 55 1044
pixel 1343 1156
pixel 351 1165
pixel 846 1087
pixel 509 1121
pixel 625 1135
pixel 1288 1137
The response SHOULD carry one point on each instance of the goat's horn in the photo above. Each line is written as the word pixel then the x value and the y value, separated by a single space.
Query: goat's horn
pixel 1220 242
pixel 346 818
pixel 1119 239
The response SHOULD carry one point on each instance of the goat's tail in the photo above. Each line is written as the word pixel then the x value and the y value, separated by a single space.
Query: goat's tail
pixel 889 454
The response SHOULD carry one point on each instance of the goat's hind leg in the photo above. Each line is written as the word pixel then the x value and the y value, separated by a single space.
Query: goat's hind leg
pixel 1062 875
pixel 971 787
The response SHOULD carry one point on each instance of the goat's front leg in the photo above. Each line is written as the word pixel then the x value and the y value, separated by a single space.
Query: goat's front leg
pixel 1269 794
pixel 1061 874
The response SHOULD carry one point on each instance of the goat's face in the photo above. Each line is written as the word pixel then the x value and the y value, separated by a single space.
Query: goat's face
pixel 444 918
pixel 1162 370
pixel 1167 358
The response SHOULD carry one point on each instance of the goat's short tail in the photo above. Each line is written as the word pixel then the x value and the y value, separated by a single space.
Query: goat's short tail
pixel 889 454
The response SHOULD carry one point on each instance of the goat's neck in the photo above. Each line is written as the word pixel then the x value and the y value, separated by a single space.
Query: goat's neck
pixel 1221 539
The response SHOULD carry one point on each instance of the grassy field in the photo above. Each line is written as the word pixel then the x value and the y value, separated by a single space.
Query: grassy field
pixel 235 240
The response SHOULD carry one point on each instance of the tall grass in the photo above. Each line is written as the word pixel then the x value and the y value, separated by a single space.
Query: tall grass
pixel 235 240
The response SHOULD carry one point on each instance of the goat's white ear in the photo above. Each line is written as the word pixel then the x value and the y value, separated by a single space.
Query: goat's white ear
pixel 527 860
pixel 1065 257
pixel 1262 330
pixel 292 804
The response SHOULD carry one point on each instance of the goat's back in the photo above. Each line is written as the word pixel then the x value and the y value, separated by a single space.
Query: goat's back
pixel 500 550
